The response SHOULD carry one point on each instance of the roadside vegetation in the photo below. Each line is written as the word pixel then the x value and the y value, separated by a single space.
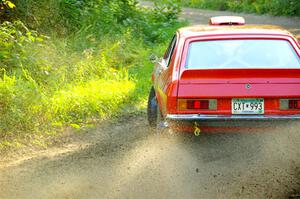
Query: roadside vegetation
pixel 273 7
pixel 73 63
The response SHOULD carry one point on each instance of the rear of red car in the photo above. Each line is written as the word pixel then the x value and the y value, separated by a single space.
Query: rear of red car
pixel 226 80
pixel 226 75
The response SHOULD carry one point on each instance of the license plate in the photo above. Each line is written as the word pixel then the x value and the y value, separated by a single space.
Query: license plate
pixel 248 106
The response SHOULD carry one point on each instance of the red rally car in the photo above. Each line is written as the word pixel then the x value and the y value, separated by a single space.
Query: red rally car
pixel 226 74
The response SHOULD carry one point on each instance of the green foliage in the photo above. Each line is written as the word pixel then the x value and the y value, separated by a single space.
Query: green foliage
pixel 5 4
pixel 169 10
pixel 274 7
pixel 93 62
pixel 208 4
pixel 19 105
pixel 65 17
pixel 92 100
pixel 14 38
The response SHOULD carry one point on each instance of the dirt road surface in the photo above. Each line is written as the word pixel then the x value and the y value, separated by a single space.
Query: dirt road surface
pixel 124 159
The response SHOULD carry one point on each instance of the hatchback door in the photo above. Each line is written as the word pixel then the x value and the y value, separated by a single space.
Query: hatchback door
pixel 245 74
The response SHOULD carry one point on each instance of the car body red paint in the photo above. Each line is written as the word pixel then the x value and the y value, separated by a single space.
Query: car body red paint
pixel 173 81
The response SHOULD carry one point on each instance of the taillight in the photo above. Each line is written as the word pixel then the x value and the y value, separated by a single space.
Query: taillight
pixel 197 104
pixel 294 104
pixel 287 104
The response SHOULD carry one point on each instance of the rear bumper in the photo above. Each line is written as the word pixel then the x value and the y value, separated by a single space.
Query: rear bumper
pixel 200 117
pixel 187 122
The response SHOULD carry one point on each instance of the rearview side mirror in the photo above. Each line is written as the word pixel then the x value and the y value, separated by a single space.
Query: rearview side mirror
pixel 153 58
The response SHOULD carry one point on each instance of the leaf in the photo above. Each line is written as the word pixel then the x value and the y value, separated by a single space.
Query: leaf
pixel 75 126
pixel 10 4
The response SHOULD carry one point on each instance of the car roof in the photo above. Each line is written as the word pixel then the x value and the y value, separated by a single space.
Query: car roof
pixel 203 30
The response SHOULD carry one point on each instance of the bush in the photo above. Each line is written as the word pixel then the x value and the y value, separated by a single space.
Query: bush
pixel 71 62
pixel 20 107
pixel 92 100
pixel 14 38
pixel 274 7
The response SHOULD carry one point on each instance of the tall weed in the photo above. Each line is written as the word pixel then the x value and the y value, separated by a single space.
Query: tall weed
pixel 73 62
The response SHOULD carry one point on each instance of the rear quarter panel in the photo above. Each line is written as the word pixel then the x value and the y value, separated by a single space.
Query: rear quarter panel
pixel 166 83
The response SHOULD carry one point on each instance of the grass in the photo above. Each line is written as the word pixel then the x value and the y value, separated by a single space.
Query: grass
pixel 93 99
pixel 53 81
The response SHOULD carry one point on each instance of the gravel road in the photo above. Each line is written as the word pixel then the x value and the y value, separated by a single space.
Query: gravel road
pixel 124 159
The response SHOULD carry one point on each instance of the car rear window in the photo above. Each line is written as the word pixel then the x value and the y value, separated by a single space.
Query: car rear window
pixel 242 54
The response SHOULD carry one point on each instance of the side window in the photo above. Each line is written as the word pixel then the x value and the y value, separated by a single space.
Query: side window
pixel 169 52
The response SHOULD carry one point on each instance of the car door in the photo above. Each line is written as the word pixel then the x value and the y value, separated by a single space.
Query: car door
pixel 163 74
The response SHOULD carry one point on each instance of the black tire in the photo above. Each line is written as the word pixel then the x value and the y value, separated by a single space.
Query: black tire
pixel 155 117
pixel 152 108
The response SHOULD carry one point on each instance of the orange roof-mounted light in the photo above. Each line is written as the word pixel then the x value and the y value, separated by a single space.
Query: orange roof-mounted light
pixel 226 20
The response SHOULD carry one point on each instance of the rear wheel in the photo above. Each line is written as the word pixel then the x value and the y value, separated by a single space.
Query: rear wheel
pixel 152 108
pixel 155 117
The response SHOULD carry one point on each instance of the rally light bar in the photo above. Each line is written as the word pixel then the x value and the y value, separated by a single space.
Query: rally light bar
pixel 226 20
